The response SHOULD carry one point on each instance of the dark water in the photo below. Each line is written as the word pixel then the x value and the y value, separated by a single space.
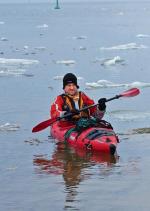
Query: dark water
pixel 35 173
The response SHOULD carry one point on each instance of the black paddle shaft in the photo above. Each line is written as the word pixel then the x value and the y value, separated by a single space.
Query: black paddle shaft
pixel 85 108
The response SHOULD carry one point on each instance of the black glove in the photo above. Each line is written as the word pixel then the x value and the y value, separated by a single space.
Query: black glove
pixel 74 112
pixel 101 104
pixel 69 117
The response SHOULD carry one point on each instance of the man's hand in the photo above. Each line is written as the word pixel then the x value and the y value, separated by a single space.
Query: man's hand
pixel 101 104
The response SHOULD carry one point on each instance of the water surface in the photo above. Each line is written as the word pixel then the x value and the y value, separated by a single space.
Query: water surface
pixel 38 46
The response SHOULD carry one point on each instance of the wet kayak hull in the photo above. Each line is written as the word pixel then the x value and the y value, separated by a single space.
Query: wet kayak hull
pixel 92 139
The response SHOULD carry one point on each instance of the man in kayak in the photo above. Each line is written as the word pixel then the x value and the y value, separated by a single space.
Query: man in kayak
pixel 72 100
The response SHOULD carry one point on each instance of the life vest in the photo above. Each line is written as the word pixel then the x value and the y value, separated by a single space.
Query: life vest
pixel 69 106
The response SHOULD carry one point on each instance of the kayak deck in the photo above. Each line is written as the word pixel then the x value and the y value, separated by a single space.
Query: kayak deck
pixel 91 139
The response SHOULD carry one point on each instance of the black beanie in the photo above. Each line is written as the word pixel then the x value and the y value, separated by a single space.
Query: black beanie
pixel 70 78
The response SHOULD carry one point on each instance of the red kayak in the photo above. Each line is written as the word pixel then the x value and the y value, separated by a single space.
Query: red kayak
pixel 100 139
pixel 94 138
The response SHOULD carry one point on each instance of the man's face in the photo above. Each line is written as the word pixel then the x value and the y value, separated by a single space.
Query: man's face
pixel 71 89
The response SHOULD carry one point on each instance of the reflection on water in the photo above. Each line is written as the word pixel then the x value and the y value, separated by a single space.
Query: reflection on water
pixel 74 165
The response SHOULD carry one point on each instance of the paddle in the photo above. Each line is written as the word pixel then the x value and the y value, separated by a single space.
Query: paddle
pixel 41 126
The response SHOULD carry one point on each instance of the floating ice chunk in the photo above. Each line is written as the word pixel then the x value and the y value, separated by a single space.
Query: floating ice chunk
pixel 139 84
pixel 9 127
pixel 11 72
pixel 66 62
pixel 112 61
pixel 79 37
pixel 2 22
pixel 129 115
pixel 42 26
pixel 142 35
pixel 14 67
pixel 25 47
pixel 82 48
pixel 4 39
pixel 13 168
pixel 105 83
pixel 40 48
pixel 18 61
pixel 102 84
pixel 124 47
pixel 93 85
pixel 109 84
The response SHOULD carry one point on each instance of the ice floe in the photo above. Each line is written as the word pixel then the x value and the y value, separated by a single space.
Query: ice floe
pixel 11 72
pixel 4 39
pixel 142 35
pixel 42 26
pixel 79 37
pixel 26 47
pixel 129 115
pixel 65 62
pixel 9 127
pixel 112 61
pixel 40 48
pixel 82 48
pixel 12 168
pixel 138 84
pixel 127 46
pixel 109 84
pixel 2 22
pixel 15 67
pixel 18 61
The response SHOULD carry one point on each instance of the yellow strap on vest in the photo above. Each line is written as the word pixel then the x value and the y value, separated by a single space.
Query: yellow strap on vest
pixel 69 101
